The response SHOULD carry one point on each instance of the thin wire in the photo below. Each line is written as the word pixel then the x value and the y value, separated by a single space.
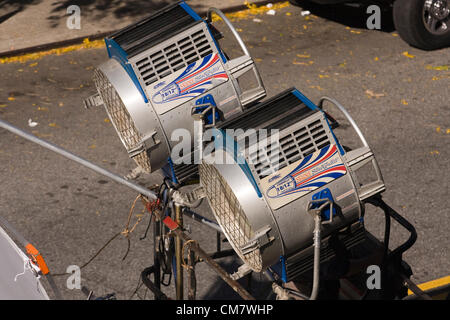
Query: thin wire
pixel 125 232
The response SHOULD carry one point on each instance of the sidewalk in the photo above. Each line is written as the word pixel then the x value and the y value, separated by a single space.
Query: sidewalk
pixel 32 25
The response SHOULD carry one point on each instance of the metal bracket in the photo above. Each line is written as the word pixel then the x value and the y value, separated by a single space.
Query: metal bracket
pixel 259 240
pixel 188 199
pixel 147 143
pixel 316 207
pixel 93 101
pixel 202 107
pixel 241 272
pixel 356 159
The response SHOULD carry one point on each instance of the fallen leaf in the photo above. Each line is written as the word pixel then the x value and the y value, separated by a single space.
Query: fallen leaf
pixel 11 98
pixel 408 55
pixel 438 68
pixel 438 129
pixel 404 102
pixel 303 55
pixel 371 94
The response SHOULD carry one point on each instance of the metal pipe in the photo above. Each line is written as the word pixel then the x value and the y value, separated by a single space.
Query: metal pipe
pixel 316 274
pixel 192 281
pixel 199 218
pixel 178 254
pixel 236 286
pixel 159 295
pixel 378 201
pixel 415 289
pixel 348 116
pixel 7 126
pixel 230 26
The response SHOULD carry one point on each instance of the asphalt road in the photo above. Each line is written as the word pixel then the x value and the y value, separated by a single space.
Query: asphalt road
pixel 398 95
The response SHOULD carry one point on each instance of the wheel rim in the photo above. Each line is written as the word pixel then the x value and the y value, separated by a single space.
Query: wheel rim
pixel 436 16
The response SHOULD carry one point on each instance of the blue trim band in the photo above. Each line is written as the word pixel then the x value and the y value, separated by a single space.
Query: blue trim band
pixel 172 171
pixel 304 99
pixel 189 10
pixel 227 142
pixel 341 150
pixel 283 269
pixel 116 52
pixel 222 56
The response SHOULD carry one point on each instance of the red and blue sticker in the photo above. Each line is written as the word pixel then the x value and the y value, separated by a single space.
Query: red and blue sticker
pixel 194 80
pixel 304 176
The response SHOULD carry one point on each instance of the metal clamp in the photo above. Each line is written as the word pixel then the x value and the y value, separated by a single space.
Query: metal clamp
pixel 147 143
pixel 190 199
pixel 200 116
pixel 316 207
pixel 259 240
pixel 93 101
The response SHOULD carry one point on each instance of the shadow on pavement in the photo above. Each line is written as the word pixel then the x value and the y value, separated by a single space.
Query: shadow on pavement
pixel 9 8
pixel 258 286
pixel 101 9
pixel 353 16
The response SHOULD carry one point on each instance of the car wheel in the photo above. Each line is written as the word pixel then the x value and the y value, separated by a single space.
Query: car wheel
pixel 424 24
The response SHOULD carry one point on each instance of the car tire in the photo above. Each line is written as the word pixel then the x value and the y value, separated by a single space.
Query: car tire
pixel 420 23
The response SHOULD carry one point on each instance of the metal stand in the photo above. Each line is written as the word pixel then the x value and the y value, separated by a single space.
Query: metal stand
pixel 178 254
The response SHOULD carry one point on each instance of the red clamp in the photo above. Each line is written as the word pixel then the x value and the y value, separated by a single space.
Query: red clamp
pixel 37 258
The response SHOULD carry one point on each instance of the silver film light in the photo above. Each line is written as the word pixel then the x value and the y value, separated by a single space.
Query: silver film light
pixel 160 69
pixel 264 203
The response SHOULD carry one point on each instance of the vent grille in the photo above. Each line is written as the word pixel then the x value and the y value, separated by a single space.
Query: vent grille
pixel 154 29
pixel 120 118
pixel 229 214
pixel 290 148
pixel 174 57
pixel 297 266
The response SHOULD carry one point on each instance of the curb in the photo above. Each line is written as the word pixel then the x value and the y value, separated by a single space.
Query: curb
pixel 97 36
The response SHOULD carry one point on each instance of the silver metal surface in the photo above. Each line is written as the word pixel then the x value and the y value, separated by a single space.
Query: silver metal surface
pixel 230 26
pixel 261 231
pixel 146 128
pixel 149 194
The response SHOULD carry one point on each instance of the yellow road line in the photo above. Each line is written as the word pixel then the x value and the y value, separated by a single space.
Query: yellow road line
pixel 433 284
pixel 253 10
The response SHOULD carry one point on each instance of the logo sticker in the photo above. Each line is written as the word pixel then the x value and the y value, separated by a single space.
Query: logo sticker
pixel 303 176
pixel 194 80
